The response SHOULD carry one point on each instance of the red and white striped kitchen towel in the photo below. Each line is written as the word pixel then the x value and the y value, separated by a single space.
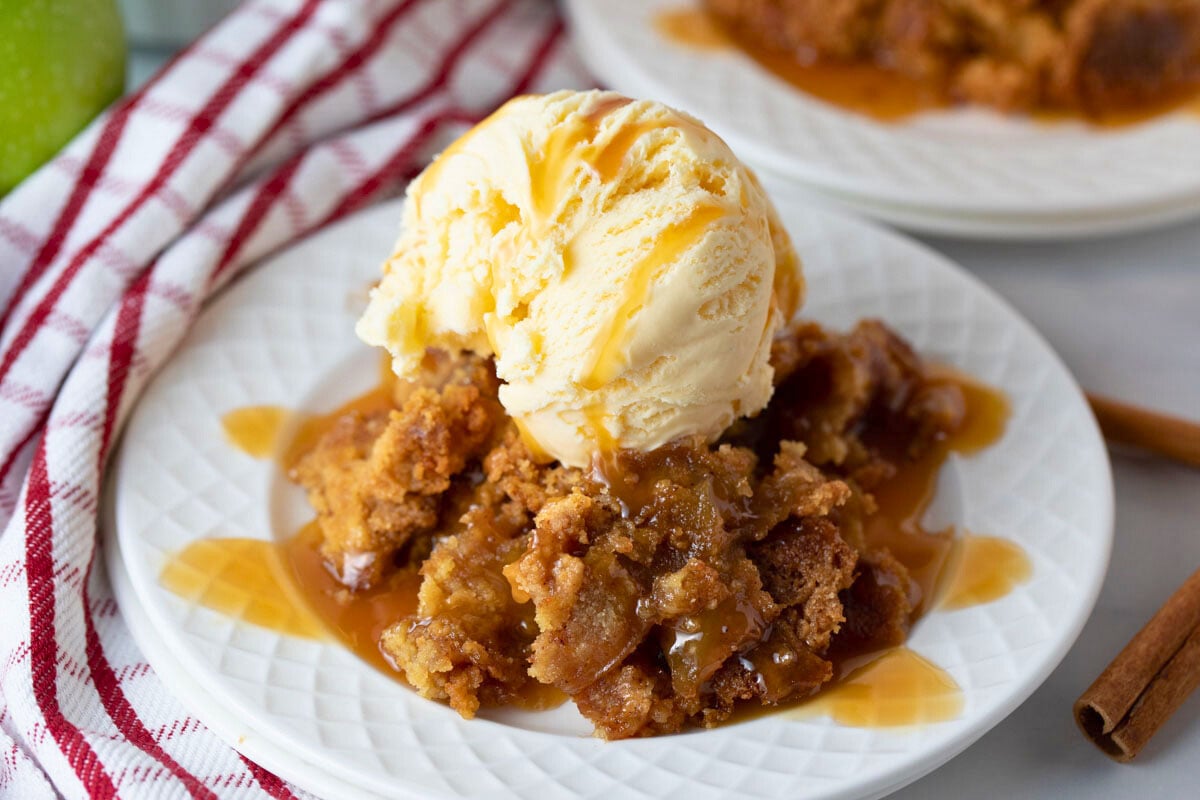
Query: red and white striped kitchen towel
pixel 288 115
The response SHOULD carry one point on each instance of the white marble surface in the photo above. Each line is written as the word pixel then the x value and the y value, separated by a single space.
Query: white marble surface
pixel 1124 313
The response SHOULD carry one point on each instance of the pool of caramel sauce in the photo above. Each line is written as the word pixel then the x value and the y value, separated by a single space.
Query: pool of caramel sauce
pixel 287 586
pixel 357 619
pixel 866 88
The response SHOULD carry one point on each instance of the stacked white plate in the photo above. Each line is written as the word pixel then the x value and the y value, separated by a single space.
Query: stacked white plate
pixel 969 173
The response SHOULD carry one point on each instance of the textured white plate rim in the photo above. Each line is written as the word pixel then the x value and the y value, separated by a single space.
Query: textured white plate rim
pixel 596 35
pixel 239 732
pixel 1035 227
pixel 148 593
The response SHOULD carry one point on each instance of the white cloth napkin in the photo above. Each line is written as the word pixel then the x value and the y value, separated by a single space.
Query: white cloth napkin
pixel 285 117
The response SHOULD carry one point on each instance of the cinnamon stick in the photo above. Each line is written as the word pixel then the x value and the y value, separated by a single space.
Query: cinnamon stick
pixel 1147 430
pixel 1148 680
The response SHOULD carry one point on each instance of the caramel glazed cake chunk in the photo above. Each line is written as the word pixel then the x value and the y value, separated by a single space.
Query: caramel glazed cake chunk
pixel 659 592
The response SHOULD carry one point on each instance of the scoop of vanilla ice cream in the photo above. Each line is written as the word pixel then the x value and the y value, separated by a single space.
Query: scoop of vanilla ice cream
pixel 624 268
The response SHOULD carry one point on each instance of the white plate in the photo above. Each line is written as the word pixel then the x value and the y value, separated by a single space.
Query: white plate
pixel 283 335
pixel 223 720
pixel 957 163
pixel 1031 227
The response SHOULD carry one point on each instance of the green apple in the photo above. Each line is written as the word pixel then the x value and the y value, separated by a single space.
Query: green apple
pixel 61 63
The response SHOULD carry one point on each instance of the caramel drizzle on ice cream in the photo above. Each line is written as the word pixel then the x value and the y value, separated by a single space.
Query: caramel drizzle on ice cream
pixel 608 353
pixel 550 173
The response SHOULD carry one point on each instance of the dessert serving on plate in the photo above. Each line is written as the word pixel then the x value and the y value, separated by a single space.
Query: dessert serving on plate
pixel 608 462
pixel 1096 57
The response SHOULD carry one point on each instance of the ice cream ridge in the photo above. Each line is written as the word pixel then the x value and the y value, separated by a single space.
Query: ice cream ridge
pixel 624 269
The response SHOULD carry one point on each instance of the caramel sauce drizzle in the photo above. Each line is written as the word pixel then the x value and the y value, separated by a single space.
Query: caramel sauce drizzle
pixel 356 619
pixel 983 569
pixel 903 500
pixel 284 435
pixel 552 174
pixel 895 686
pixel 870 90
pixel 692 27
pixel 609 357
pixel 256 430
pixel 245 579
pixel 900 688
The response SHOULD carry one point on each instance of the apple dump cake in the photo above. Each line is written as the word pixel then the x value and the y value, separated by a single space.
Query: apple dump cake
pixel 616 463
pixel 656 589
pixel 1092 56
